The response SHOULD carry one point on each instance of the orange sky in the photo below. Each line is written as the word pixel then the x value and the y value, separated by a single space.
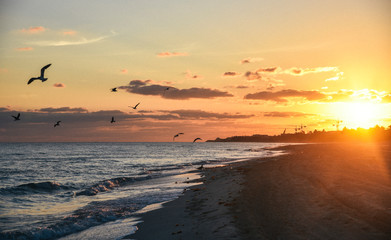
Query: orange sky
pixel 232 68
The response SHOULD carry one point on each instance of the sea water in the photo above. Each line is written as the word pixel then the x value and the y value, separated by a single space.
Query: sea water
pixel 55 190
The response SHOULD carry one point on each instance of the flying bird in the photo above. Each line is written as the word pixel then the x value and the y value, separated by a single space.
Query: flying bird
pixel 114 89
pixel 17 117
pixel 197 139
pixel 112 120
pixel 166 89
pixel 135 106
pixel 57 124
pixel 42 77
pixel 176 135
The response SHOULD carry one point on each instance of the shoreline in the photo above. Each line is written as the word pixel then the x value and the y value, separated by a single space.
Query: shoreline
pixel 316 191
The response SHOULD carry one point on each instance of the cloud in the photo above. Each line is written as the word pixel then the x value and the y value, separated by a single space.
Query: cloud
pixel 302 71
pixel 281 96
pixel 3 70
pixel 60 43
pixel 124 71
pixel 343 95
pixel 62 110
pixel 190 75
pixel 142 87
pixel 286 114
pixel 172 54
pixel 339 76
pixel 250 60
pixel 269 70
pixel 386 98
pixel 25 49
pixel 59 85
pixel 34 30
pixel 231 74
pixel 252 76
pixel 200 114
pixel 69 33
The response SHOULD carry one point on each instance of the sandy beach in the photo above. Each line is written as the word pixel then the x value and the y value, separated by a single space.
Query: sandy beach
pixel 316 191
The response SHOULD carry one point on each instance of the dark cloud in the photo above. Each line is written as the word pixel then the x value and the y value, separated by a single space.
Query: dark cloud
pixel 199 114
pixel 250 60
pixel 142 87
pixel 268 70
pixel 281 96
pixel 252 75
pixel 62 110
pixel 231 74
pixel 286 114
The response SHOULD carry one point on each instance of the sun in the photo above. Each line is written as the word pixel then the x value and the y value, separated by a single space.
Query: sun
pixel 359 114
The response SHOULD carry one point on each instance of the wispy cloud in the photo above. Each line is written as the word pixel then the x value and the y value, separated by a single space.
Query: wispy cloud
pixel 124 71
pixel 250 60
pixel 143 88
pixel 60 43
pixel 33 30
pixel 25 49
pixel 302 71
pixel 286 114
pixel 283 95
pixel 339 76
pixel 343 95
pixel 59 85
pixel 172 54
pixel 69 33
pixel 62 110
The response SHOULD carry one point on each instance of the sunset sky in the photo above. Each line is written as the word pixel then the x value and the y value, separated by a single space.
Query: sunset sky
pixel 231 68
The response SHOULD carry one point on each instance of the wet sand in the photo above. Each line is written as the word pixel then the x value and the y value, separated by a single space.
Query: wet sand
pixel 317 191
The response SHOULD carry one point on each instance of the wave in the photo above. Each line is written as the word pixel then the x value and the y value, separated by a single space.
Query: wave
pixel 35 188
pixel 106 185
pixel 93 214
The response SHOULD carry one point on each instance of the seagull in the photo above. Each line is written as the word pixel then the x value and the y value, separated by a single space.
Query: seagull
pixel 197 139
pixel 135 106
pixel 114 89
pixel 17 117
pixel 42 77
pixel 166 89
pixel 57 124
pixel 176 135
pixel 112 120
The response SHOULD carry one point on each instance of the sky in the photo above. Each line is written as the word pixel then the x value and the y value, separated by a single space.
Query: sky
pixel 205 68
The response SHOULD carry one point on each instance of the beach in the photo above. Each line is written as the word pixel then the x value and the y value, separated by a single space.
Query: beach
pixel 315 191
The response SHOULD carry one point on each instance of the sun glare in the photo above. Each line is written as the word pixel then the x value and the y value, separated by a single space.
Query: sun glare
pixel 359 114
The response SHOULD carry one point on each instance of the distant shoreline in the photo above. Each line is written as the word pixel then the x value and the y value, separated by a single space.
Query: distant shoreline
pixel 375 134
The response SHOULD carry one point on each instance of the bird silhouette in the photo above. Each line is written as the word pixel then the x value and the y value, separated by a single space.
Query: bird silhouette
pixel 176 135
pixel 166 89
pixel 114 89
pixel 57 124
pixel 135 106
pixel 17 117
pixel 112 120
pixel 197 139
pixel 42 77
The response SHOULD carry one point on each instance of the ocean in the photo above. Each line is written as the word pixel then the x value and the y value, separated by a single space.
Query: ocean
pixel 93 190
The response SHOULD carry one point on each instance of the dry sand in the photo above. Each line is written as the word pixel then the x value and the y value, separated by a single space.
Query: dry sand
pixel 317 191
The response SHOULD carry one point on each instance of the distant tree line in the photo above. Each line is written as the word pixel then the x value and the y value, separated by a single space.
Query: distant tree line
pixel 376 134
